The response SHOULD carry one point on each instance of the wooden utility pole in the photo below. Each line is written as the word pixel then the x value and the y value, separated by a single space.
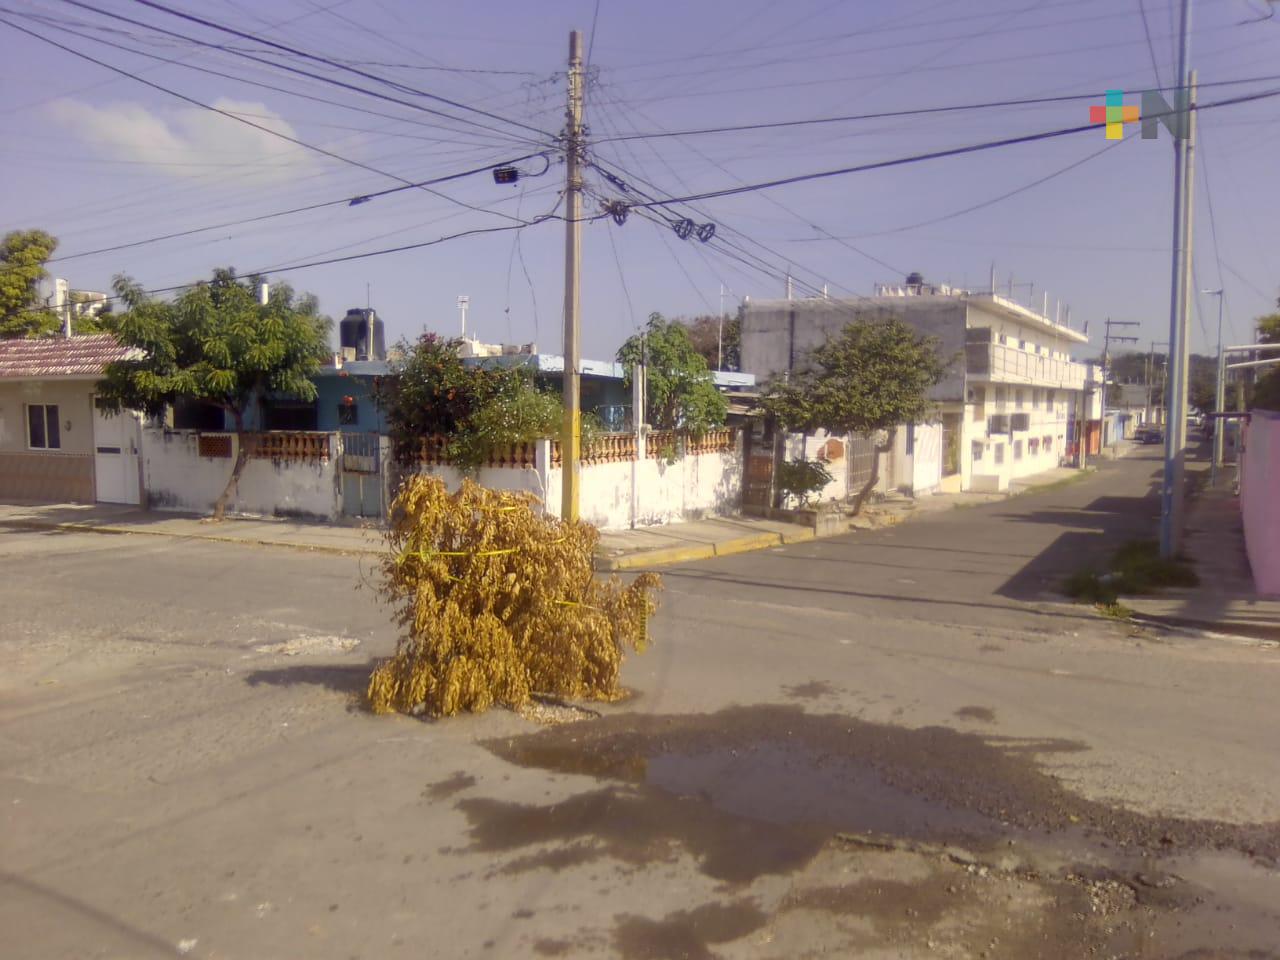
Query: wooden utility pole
pixel 571 436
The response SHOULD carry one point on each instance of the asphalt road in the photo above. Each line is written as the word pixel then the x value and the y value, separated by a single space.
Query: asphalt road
pixel 185 769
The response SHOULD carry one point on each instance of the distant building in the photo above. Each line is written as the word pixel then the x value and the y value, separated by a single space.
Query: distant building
pixel 1013 403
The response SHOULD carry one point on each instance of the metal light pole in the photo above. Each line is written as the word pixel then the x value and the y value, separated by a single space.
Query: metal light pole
pixel 1175 438
pixel 1219 394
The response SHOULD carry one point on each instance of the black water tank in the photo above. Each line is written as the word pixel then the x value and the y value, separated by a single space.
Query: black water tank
pixel 362 331
pixel 915 279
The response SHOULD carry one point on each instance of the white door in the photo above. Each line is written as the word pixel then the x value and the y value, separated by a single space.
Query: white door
pixel 115 457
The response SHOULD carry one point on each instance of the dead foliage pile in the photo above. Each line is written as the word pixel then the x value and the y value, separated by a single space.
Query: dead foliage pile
pixel 499 603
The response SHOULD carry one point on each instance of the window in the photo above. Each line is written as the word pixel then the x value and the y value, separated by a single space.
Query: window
pixel 348 413
pixel 979 401
pixel 191 414
pixel 289 415
pixel 1050 398
pixel 1017 449
pixel 999 452
pixel 1048 444
pixel 1033 446
pixel 1035 398
pixel 1017 398
pixel 42 427
pixel 1003 339
pixel 999 394
pixel 977 451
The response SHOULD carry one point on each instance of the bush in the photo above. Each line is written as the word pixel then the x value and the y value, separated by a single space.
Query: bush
pixel 499 603
pixel 802 479
pixel 1136 568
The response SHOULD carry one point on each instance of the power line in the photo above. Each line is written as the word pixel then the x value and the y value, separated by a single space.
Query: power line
pixel 1151 48
pixel 475 231
pixel 932 155
pixel 61 24
pixel 332 63
pixel 314 76
pixel 772 200
pixel 888 114
pixel 1213 230
pixel 985 203
pixel 349 201
pixel 239 119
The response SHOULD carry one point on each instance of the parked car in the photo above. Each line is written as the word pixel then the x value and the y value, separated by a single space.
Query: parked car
pixel 1148 435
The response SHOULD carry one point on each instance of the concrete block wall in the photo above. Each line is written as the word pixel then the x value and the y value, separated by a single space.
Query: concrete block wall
pixel 624 494
pixel 176 477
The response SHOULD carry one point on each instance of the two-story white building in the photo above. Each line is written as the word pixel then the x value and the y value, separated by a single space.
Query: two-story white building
pixel 1014 402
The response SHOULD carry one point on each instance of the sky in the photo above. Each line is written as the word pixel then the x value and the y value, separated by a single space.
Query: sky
pixel 376 94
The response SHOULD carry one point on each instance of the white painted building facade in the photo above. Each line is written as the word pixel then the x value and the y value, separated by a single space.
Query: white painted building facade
pixel 1007 408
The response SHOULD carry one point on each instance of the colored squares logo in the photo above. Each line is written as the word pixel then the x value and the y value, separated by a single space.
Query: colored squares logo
pixel 1115 114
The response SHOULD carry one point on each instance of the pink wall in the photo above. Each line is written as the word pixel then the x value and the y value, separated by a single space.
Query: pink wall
pixel 1260 498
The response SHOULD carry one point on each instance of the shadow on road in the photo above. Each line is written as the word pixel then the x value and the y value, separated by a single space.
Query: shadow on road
pixel 348 678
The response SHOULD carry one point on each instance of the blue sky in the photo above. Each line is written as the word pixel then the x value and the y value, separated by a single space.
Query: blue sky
pixel 99 159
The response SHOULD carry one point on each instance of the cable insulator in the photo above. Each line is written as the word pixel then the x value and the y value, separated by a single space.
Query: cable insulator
pixel 683 229
pixel 618 210
pixel 706 231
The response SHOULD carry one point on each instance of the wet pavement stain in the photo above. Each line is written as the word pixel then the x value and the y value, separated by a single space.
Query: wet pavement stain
pixel 813 690
pixel 550 947
pixel 984 714
pixel 751 793
pixel 837 772
pixel 687 934
pixel 444 789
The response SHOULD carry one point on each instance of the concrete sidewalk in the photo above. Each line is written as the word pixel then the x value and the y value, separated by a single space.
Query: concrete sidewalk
pixel 1225 600
pixel 111 519
pixel 619 550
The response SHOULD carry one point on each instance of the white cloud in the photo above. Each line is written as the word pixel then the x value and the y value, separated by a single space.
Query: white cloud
pixel 188 141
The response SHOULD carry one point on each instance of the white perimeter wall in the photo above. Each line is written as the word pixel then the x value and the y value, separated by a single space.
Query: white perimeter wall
pixel 176 477
pixel 634 493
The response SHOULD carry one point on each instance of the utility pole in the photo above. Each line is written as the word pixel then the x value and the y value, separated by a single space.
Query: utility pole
pixel 1109 338
pixel 720 333
pixel 1173 493
pixel 571 436
pixel 1219 393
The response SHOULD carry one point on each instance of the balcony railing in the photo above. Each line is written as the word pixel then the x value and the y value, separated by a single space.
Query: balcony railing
pixel 1001 363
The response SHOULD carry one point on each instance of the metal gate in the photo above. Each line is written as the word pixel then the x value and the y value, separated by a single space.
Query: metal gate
pixel 362 484
pixel 862 461
pixel 757 454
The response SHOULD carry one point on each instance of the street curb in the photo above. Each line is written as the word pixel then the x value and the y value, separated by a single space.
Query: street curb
pixel 665 556
pixel 1237 628
pixel 68 527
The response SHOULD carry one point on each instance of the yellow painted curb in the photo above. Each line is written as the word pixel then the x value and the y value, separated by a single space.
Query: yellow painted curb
pixel 663 556
pixel 758 541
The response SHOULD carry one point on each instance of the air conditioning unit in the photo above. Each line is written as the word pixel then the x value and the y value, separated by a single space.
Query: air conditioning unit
pixel 1020 421
pixel 998 424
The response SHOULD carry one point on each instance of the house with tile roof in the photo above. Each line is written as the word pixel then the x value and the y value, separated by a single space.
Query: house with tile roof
pixel 55 445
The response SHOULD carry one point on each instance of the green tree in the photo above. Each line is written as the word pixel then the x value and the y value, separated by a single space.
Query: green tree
pixel 1266 389
pixel 23 254
pixel 679 391
pixel 873 376
pixel 476 409
pixel 717 339
pixel 217 344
